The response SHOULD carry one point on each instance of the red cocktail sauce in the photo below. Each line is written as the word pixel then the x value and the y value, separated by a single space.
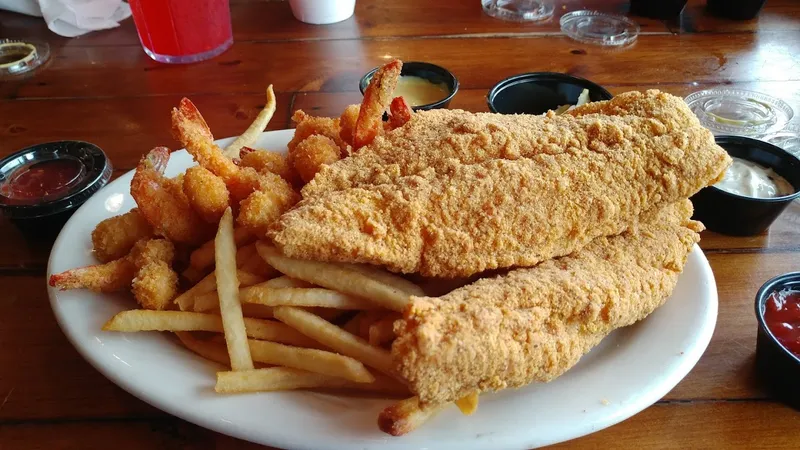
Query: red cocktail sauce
pixel 782 316
pixel 41 179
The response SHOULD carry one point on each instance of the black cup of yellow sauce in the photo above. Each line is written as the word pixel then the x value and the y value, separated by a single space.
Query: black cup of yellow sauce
pixel 539 92
pixel 777 311
pixel 423 85
pixel 41 186
pixel 741 215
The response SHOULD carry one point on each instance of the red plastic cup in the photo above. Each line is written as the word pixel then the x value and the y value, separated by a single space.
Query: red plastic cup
pixel 183 31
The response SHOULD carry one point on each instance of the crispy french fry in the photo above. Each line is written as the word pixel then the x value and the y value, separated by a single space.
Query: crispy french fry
pixel 249 137
pixel 405 416
pixel 208 350
pixel 334 337
pixel 385 277
pixel 304 297
pixel 149 320
pixel 203 257
pixel 286 282
pixel 468 404
pixel 370 318
pixel 381 332
pixel 285 378
pixel 313 360
pixel 208 284
pixel 228 290
pixel 338 277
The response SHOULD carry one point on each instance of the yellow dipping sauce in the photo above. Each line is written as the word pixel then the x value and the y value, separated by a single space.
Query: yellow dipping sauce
pixel 418 91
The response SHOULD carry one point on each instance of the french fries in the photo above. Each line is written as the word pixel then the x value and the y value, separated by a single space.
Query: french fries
pixel 285 378
pixel 186 300
pixel 249 137
pixel 339 277
pixel 203 257
pixel 228 289
pixel 405 416
pixel 334 337
pixel 208 350
pixel 312 360
pixel 148 320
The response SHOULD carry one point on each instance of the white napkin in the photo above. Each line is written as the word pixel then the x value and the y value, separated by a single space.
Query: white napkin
pixel 72 18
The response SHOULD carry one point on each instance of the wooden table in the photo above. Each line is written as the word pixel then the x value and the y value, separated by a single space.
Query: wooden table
pixel 102 88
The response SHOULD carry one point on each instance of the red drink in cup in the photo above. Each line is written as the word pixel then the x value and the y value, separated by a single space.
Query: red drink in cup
pixel 183 31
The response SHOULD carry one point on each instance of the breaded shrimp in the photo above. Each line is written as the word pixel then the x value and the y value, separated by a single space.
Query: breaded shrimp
pixel 149 250
pixel 206 192
pixel 155 285
pixel 309 125
pixel 112 276
pixel 190 128
pixel 166 213
pixel 347 123
pixel 263 207
pixel 114 237
pixel 376 101
pixel 311 154
pixel 268 161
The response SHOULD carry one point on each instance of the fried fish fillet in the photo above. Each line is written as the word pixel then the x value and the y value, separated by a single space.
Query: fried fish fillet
pixel 533 324
pixel 451 193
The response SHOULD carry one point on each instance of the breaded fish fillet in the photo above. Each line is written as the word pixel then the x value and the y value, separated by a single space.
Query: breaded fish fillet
pixel 452 194
pixel 440 139
pixel 533 324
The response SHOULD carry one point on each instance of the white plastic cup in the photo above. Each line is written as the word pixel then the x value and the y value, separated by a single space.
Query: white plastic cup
pixel 321 12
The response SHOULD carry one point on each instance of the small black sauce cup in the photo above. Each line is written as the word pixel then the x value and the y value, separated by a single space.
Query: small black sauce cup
pixel 777 368
pixel 735 9
pixel 431 72
pixel 746 216
pixel 41 219
pixel 539 92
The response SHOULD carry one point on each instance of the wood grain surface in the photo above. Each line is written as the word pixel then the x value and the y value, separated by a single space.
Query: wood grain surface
pixel 102 88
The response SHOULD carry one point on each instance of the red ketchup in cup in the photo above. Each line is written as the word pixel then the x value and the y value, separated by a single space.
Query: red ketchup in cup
pixel 782 317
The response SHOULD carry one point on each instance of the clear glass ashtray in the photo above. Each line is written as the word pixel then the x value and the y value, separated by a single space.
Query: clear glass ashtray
pixel 787 138
pixel 739 112
pixel 594 27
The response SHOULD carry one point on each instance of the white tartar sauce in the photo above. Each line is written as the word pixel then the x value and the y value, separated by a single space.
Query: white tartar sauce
pixel 749 179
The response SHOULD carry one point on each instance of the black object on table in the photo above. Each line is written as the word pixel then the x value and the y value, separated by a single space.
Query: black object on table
pixel 735 9
pixel 658 9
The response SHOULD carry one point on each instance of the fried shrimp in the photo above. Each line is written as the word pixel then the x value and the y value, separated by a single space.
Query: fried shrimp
pixel 166 213
pixel 206 193
pixel 114 237
pixel 312 153
pixel 268 161
pixel 376 101
pixel 263 207
pixel 191 129
pixel 155 284
pixel 112 276
pixel 347 123
pixel 309 125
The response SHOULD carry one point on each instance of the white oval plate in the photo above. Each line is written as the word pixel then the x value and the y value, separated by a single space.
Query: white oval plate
pixel 630 370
